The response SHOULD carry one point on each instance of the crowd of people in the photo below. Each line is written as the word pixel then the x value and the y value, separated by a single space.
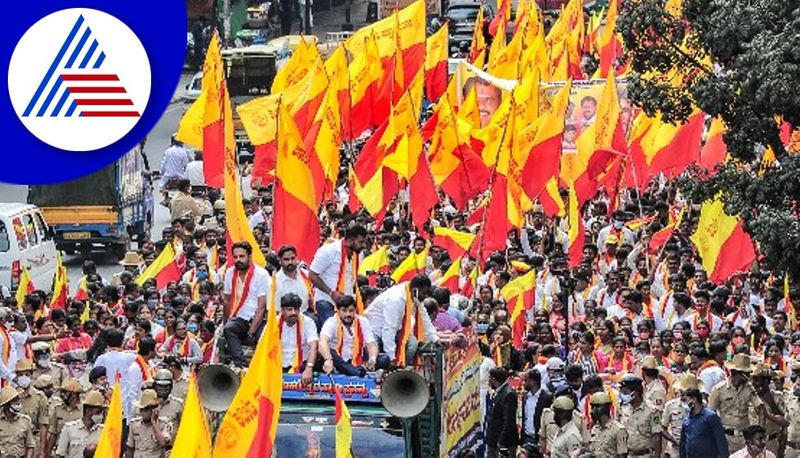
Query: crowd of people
pixel 634 352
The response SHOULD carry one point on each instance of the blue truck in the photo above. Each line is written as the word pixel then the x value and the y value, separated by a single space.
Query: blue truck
pixel 106 210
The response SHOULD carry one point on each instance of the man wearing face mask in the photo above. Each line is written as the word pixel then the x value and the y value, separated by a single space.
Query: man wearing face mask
pixel 150 433
pixel 617 229
pixel 734 398
pixel 792 401
pixel 702 433
pixel 774 408
pixel 755 444
pixel 67 408
pixel 642 422
pixel 84 432
pixel 654 393
pixel 398 308
pixel 609 437
pixel 16 429
pixel 35 405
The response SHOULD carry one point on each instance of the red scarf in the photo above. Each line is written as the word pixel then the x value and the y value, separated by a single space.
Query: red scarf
pixel 358 341
pixel 6 350
pixel 183 346
pixel 625 362
pixel 706 365
pixel 343 266
pixel 297 361
pixel 312 303
pixel 406 329
pixel 236 302
pixel 147 373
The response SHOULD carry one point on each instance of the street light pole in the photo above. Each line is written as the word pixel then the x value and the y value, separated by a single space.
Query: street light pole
pixel 348 25
pixel 307 25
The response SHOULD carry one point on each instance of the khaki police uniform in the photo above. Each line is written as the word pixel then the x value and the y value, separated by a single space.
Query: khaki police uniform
pixel 655 395
pixel 773 430
pixel 672 422
pixel 171 409
pixel 75 437
pixel 609 441
pixel 643 425
pixel 792 403
pixel 548 429
pixel 180 387
pixel 733 406
pixel 16 436
pixel 567 440
pixel 57 371
pixel 143 440
pixel 61 414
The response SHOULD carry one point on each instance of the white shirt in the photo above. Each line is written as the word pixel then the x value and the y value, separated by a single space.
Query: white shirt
pixel 326 264
pixel 386 313
pixel 18 339
pixel 194 173
pixel 115 362
pixel 257 218
pixel 289 340
pixel 131 386
pixel 7 368
pixel 259 287
pixel 711 376
pixel 530 410
pixel 330 327
pixel 287 284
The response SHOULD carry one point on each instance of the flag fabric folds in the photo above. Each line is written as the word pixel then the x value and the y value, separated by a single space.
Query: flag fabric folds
pixel 110 443
pixel 344 430
pixel 193 438
pixel 723 245
pixel 60 286
pixel 214 137
pixel 378 261
pixel 436 54
pixel 164 268
pixel 24 287
pixel 455 242
pixel 412 265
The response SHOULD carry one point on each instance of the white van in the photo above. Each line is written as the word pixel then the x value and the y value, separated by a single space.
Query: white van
pixel 25 240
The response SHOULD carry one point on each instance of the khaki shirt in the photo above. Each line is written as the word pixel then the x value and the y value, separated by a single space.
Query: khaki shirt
pixel 733 405
pixel 655 395
pixel 75 437
pixel 672 418
pixel 567 440
pixel 643 425
pixel 609 441
pixel 36 406
pixel 548 429
pixel 171 409
pixel 57 371
pixel 179 388
pixel 792 404
pixel 16 436
pixel 60 414
pixel 184 205
pixel 143 440
pixel 770 426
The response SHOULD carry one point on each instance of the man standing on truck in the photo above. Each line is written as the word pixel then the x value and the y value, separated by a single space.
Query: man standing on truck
pixel 173 165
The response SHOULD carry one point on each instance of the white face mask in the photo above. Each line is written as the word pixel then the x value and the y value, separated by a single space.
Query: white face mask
pixel 97 418
pixel 16 408
pixel 43 361
pixel 23 381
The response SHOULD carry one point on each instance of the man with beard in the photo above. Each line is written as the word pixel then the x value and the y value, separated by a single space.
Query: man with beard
pixel 487 95
pixel 16 431
pixel 150 434
pixel 298 339
pixel 334 271
pixel 344 339
pixel 245 301
pixel 290 279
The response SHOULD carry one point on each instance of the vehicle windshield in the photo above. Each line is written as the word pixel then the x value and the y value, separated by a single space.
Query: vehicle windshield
pixel 301 439
pixel 464 13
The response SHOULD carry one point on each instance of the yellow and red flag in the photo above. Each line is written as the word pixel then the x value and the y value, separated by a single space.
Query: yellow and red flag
pixel 378 261
pixel 193 439
pixel 213 121
pixel 83 290
pixel 413 265
pixel 323 142
pixel 344 430
pixel 478 43
pixel 251 422
pixel 164 268
pixel 788 305
pixel 258 118
pixel 452 276
pixel 610 44
pixel 660 237
pixel 472 281
pixel 723 245
pixel 436 54
pixel 24 287
pixel 520 295
pixel 577 231
pixel 455 242
pixel 670 148
pixel 714 149
pixel 110 443
pixel 366 74
pixel 295 214
pixel 60 286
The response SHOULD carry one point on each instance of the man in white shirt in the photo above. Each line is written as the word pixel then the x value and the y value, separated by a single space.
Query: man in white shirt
pixel 138 372
pixel 387 313
pixel 298 339
pixel 114 359
pixel 8 357
pixel 334 271
pixel 245 301
pixel 194 170
pixel 257 213
pixel 290 279
pixel 338 342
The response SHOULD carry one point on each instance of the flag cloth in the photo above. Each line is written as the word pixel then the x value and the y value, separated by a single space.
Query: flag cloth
pixel 521 296
pixel 451 277
pixel 24 287
pixel 670 148
pixel 295 215
pixel 213 112
pixel 83 290
pixel 190 127
pixel 365 73
pixel 258 117
pixel 577 231
pixel 723 245
pixel 193 439
pixel 110 442
pixel 412 265
pixel 472 281
pixel 436 63
pixel 659 238
pixel 788 305
pixel 714 150
pixel 251 422
pixel 344 430
pixel 376 262
pixel 323 142
pixel 455 242
pixel 60 286
pixel 164 268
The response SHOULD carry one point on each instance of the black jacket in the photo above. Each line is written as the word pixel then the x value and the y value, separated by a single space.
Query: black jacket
pixel 545 400
pixel 501 419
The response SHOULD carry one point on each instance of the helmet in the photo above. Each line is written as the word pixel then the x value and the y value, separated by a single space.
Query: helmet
pixel 599 399
pixel 95 399
pixel 563 403
pixel 163 375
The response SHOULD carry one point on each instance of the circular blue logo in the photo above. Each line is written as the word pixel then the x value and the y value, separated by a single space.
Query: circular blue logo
pixel 86 82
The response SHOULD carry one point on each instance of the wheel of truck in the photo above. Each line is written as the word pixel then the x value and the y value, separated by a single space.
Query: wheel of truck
pixel 119 250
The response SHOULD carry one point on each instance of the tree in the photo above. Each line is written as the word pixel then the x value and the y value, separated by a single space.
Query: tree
pixel 737 60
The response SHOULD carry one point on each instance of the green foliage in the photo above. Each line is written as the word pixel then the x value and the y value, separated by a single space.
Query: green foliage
pixel 739 60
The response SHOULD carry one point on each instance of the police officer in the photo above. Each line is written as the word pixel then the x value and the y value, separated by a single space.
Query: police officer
pixel 792 401
pixel 170 407
pixel 654 393
pixel 34 404
pixel 78 434
pixel 150 435
pixel 774 408
pixel 568 438
pixel 609 437
pixel 66 408
pixel 43 389
pixel 674 413
pixel 16 430
pixel 548 429
pixel 642 422
pixel 733 398
pixel 44 364
pixel 180 381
